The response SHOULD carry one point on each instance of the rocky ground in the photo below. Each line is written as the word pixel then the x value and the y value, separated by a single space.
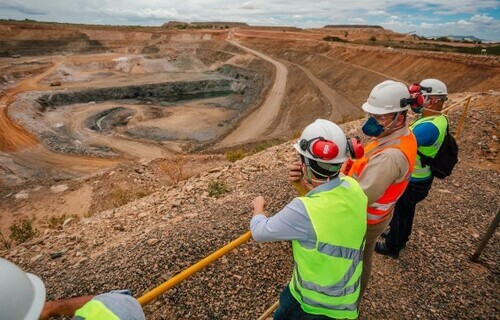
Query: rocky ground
pixel 147 241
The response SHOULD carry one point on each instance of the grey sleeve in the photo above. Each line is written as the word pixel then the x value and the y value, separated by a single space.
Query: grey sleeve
pixel 291 223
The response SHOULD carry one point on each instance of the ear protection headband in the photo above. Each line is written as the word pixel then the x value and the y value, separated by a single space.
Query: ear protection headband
pixel 323 149
pixel 355 148
pixel 416 88
pixel 320 148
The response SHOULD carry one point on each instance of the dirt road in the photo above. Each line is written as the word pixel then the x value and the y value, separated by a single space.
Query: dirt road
pixel 256 124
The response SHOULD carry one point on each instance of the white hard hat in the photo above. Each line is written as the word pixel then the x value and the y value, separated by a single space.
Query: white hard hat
pixel 436 87
pixel 323 141
pixel 22 295
pixel 387 97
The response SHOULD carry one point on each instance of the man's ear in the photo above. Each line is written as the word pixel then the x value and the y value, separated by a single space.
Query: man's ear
pixel 401 119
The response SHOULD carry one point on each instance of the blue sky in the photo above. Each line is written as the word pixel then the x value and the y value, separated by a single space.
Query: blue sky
pixel 480 18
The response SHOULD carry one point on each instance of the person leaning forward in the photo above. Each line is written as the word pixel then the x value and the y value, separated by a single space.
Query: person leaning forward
pixel 429 130
pixel 327 228
pixel 384 170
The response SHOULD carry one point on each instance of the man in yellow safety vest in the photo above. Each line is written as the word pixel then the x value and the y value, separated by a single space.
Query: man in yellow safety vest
pixel 326 226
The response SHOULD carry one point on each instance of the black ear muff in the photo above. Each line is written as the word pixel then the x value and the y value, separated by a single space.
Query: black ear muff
pixel 355 148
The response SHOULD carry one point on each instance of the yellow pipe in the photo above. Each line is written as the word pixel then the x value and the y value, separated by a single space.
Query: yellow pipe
pixel 462 118
pixel 153 294
pixel 268 312
pixel 445 110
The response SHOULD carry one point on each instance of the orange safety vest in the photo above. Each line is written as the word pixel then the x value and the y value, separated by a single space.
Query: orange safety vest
pixel 380 209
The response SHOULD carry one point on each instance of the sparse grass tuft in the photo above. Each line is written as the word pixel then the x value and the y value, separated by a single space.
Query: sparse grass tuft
pixel 22 231
pixel 234 155
pixel 4 243
pixel 56 222
pixel 216 188
pixel 120 197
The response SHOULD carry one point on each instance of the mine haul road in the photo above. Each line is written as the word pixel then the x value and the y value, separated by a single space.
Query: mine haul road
pixel 256 124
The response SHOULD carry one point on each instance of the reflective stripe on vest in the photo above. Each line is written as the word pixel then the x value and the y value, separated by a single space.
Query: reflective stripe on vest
pixel 341 288
pixel 441 123
pixel 326 278
pixel 381 209
pixel 95 310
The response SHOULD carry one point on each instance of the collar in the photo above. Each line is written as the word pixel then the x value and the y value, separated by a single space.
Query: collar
pixel 325 186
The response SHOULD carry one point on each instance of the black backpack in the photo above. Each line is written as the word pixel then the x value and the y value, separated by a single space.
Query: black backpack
pixel 445 159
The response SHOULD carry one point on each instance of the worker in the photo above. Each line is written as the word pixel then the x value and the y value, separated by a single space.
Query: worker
pixel 383 172
pixel 327 228
pixel 22 296
pixel 429 130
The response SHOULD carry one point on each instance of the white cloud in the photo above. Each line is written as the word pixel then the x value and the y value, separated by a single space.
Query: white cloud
pixel 377 13
pixel 357 20
pixel 481 18
pixel 247 5
pixel 297 16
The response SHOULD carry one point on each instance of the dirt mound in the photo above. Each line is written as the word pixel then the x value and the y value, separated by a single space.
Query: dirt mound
pixel 151 239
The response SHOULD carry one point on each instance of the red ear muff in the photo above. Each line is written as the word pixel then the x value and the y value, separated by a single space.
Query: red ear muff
pixel 320 148
pixel 418 100
pixel 414 88
pixel 324 149
pixel 355 148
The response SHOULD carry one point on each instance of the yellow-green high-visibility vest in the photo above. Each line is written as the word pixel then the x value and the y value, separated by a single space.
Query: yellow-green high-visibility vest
pixel 95 309
pixel 326 278
pixel 441 122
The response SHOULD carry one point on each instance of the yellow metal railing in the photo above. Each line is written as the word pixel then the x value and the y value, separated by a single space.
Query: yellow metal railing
pixel 464 113
pixel 154 293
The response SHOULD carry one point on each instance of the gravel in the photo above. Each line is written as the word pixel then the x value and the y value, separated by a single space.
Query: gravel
pixel 149 240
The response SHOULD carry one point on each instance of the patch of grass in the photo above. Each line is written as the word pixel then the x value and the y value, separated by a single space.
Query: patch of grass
pixel 216 188
pixel 4 243
pixel 234 155
pixel 264 145
pixel 120 197
pixel 334 39
pixel 22 231
pixel 56 222
pixel 174 169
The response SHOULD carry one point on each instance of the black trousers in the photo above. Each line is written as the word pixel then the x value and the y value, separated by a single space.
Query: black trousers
pixel 404 212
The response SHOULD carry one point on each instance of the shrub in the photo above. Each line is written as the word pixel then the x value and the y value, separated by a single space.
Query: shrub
pixel 234 155
pixel 56 222
pixel 334 39
pixel 22 230
pixel 120 197
pixel 4 243
pixel 373 39
pixel 174 168
pixel 216 188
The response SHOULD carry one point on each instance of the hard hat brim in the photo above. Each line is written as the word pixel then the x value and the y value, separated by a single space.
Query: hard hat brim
pixel 377 110
pixel 38 299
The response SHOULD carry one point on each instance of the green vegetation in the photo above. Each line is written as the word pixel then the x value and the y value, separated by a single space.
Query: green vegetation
pixel 56 222
pixel 22 231
pixel 240 153
pixel 216 188
pixel 120 197
pixel 234 155
pixel 334 39
pixel 4 243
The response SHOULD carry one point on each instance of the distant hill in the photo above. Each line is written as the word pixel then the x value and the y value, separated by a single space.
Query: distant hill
pixel 208 24
pixel 333 26
pixel 457 38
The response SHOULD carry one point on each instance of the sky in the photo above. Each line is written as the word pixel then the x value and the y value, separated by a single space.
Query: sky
pixel 480 18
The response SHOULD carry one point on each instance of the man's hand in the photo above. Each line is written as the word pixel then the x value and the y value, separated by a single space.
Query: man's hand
pixel 295 172
pixel 258 205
